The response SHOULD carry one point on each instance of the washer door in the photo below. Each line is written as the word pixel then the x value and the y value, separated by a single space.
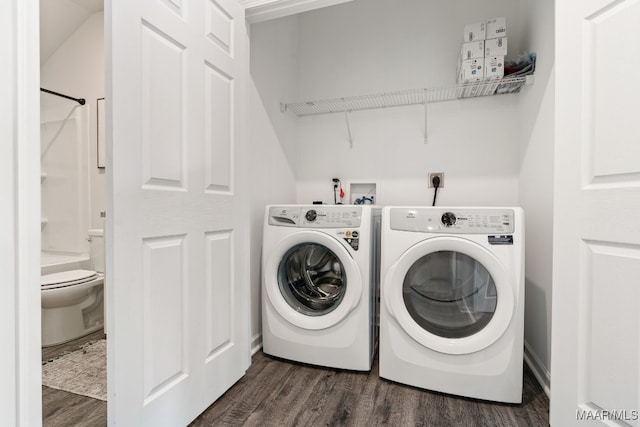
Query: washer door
pixel 312 280
pixel 450 295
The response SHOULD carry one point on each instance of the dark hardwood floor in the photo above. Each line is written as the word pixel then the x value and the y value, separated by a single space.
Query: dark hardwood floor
pixel 277 392
pixel 281 393
pixel 60 408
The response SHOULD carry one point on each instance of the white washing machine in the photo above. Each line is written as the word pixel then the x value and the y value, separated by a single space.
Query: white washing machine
pixel 320 278
pixel 452 300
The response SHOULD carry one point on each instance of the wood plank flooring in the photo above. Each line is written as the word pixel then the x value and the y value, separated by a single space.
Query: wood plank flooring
pixel 277 392
pixel 281 393
pixel 60 408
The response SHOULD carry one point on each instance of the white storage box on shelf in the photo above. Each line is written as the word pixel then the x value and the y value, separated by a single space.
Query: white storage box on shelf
pixel 496 27
pixel 493 67
pixel 472 50
pixel 495 47
pixel 493 72
pixel 475 32
pixel 478 73
pixel 471 70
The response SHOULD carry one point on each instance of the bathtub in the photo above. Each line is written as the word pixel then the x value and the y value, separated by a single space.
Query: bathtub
pixel 55 262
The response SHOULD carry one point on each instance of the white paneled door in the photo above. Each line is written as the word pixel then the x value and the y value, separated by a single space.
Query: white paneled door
pixel 178 213
pixel 595 361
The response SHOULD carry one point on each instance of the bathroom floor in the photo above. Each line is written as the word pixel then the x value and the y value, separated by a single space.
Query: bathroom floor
pixel 61 408
pixel 276 392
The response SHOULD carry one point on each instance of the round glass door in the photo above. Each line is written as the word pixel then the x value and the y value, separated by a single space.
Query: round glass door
pixel 311 279
pixel 449 294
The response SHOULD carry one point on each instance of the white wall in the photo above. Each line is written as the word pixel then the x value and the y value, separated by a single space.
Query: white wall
pixel 274 74
pixel 388 148
pixel 76 68
pixel 377 46
pixel 61 18
pixel 536 185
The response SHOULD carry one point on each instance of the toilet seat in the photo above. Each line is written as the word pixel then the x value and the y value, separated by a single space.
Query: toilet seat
pixel 67 278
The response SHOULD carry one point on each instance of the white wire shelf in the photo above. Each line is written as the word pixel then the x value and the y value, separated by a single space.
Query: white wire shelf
pixel 408 97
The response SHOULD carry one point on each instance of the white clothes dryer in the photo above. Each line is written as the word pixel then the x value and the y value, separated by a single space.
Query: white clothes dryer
pixel 320 276
pixel 452 300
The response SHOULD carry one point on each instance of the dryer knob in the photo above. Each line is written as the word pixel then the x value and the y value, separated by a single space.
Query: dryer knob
pixel 448 219
pixel 311 215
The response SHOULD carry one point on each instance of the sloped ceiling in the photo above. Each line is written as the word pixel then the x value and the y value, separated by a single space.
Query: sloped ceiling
pixel 61 18
pixel 264 10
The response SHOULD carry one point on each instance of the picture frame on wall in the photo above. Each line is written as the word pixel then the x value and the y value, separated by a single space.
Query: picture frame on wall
pixel 100 107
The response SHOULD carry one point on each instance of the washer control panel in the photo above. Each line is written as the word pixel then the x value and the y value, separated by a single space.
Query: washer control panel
pixel 316 216
pixel 453 220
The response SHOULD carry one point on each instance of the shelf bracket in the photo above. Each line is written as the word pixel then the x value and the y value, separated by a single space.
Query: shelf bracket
pixel 426 139
pixel 346 118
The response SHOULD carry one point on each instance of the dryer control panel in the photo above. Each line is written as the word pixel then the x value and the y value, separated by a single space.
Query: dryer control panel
pixel 452 220
pixel 316 216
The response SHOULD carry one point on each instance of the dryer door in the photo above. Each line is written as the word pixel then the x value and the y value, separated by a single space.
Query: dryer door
pixel 450 294
pixel 312 280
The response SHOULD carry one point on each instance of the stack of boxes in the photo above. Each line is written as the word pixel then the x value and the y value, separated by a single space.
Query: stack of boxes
pixel 481 58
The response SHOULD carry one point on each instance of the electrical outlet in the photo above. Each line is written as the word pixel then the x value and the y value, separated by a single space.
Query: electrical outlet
pixel 439 175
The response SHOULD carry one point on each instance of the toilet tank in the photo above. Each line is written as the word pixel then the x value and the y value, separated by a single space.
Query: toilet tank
pixel 96 250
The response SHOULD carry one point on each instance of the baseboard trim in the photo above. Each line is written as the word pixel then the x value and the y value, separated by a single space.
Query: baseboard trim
pixel 539 371
pixel 256 343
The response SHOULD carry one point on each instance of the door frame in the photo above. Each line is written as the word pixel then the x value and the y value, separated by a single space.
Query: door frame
pixel 21 397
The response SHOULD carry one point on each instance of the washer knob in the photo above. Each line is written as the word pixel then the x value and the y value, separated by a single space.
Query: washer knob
pixel 311 215
pixel 448 219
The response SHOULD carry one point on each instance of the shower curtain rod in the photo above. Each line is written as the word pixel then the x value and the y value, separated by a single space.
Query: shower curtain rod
pixel 80 101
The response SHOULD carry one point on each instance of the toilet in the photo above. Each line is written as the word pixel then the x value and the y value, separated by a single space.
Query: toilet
pixel 72 300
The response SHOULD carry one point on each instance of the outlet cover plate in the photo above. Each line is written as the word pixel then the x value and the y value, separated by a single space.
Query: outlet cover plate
pixel 439 174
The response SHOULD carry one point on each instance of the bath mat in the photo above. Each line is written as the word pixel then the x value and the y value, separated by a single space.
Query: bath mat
pixel 83 371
